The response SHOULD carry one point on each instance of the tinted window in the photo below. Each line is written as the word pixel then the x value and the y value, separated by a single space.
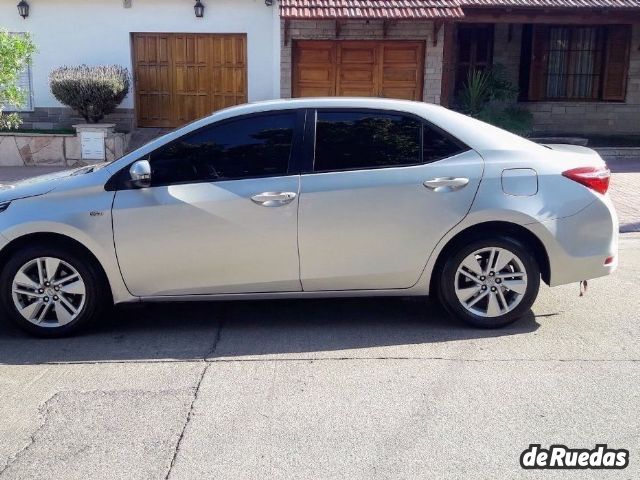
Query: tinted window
pixel 438 145
pixel 249 147
pixel 359 140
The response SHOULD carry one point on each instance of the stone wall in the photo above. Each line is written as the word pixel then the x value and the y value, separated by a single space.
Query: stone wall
pixel 363 30
pixel 60 117
pixel 25 149
pixel 576 117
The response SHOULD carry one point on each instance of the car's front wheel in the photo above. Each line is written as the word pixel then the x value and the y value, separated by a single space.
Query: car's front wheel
pixel 50 291
pixel 490 283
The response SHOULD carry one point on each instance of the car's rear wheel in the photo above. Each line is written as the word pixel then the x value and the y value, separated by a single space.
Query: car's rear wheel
pixel 490 283
pixel 50 291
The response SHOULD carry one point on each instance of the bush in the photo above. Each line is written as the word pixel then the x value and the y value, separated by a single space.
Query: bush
pixel 475 93
pixel 489 96
pixel 91 91
pixel 515 119
pixel 15 54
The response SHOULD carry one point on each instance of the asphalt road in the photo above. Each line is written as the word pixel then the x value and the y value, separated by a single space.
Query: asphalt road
pixel 344 389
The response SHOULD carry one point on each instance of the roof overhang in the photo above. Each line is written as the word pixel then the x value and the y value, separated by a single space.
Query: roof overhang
pixel 492 11
pixel 371 9
pixel 576 5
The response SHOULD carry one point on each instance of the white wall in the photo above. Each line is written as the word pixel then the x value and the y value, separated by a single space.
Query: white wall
pixel 96 32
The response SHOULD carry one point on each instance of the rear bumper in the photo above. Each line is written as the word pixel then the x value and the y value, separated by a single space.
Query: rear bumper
pixel 578 246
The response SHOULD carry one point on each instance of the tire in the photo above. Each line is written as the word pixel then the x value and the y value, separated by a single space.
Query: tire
pixel 73 295
pixel 489 297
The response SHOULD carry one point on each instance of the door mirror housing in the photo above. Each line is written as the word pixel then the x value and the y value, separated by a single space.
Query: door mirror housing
pixel 140 173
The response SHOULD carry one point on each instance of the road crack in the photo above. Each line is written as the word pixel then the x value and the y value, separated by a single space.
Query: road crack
pixel 196 392
pixel 44 413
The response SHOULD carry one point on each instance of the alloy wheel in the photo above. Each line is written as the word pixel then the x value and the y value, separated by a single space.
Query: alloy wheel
pixel 48 292
pixel 491 282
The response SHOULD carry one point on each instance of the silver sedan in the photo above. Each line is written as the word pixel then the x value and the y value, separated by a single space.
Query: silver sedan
pixel 310 198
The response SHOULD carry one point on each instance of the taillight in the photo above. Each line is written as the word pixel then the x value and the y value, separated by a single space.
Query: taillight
pixel 595 178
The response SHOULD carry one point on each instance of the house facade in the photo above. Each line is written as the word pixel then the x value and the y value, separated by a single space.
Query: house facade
pixel 184 66
pixel 576 62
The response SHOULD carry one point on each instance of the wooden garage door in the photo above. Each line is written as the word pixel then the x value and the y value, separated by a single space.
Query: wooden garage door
pixel 182 77
pixel 393 69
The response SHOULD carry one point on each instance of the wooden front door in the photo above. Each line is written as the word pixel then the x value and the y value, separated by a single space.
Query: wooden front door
pixel 393 69
pixel 182 77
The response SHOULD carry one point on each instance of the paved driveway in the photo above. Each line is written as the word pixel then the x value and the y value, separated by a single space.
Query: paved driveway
pixel 625 191
pixel 358 389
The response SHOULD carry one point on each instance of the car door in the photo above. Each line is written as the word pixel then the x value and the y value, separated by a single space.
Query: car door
pixel 384 189
pixel 220 215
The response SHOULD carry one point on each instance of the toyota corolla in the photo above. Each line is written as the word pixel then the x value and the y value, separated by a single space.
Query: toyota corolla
pixel 310 198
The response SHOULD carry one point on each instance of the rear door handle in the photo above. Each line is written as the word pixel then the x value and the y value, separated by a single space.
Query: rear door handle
pixel 273 199
pixel 446 184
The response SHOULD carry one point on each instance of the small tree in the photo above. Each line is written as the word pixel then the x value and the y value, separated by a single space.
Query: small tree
pixel 15 54
pixel 91 91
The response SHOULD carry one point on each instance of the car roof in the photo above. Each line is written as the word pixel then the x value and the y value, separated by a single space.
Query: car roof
pixel 327 102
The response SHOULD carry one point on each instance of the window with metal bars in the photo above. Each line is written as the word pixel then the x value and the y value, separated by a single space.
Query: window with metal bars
pixel 574 63
pixel 578 63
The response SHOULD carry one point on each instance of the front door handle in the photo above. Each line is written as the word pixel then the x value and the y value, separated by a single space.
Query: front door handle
pixel 273 199
pixel 446 184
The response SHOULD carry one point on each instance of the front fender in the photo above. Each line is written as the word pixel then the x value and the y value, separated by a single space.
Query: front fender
pixel 82 216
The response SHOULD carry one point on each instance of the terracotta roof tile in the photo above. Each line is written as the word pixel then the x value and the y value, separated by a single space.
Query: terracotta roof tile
pixel 370 9
pixel 553 3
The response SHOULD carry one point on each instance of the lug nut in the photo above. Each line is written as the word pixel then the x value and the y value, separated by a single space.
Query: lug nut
pixel 46 284
pixel 498 280
pixel 55 298
pixel 491 274
pixel 493 289
pixel 484 287
pixel 46 299
pixel 41 290
pixel 56 288
pixel 483 278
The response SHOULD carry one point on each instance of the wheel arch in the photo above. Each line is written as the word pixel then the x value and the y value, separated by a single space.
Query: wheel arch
pixel 492 229
pixel 59 240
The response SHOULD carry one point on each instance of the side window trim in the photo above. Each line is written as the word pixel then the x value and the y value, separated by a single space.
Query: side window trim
pixel 297 155
pixel 309 140
pixel 119 180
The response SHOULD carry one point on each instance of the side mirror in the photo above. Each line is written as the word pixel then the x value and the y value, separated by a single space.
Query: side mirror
pixel 140 173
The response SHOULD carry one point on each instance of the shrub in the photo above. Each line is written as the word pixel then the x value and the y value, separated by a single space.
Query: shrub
pixel 475 93
pixel 516 119
pixel 489 96
pixel 91 91
pixel 15 55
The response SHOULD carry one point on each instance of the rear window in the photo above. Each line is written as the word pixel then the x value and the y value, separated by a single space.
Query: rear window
pixel 437 145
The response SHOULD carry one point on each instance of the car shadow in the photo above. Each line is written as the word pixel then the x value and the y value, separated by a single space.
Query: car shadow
pixel 195 331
